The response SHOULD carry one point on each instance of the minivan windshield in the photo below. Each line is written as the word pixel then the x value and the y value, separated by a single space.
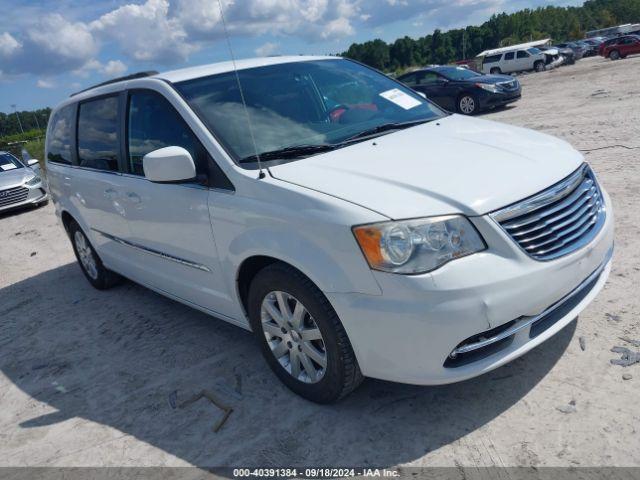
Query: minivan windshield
pixel 8 162
pixel 297 109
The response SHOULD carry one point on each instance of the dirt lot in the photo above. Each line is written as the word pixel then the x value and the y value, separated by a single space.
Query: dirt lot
pixel 92 378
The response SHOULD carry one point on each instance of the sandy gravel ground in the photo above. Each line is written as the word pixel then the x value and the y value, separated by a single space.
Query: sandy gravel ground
pixel 91 378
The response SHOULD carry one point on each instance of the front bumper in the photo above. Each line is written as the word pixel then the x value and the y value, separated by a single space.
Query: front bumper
pixel 491 100
pixel 409 332
pixel 33 195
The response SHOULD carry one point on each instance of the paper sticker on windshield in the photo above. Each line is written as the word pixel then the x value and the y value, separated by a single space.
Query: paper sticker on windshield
pixel 8 166
pixel 400 98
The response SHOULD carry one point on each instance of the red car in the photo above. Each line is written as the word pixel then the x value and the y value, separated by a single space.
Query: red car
pixel 621 47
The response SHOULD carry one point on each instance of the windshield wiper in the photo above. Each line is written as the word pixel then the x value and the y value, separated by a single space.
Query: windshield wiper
pixel 385 127
pixel 295 151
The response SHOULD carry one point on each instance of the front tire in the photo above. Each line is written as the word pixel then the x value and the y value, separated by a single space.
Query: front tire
pixel 301 336
pixel 539 66
pixel 614 55
pixel 467 104
pixel 495 71
pixel 98 275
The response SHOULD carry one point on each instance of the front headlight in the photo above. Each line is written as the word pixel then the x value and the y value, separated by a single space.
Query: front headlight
pixel 33 181
pixel 417 246
pixel 489 87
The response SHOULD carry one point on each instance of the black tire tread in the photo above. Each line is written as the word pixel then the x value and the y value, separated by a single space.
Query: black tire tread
pixel 106 278
pixel 352 375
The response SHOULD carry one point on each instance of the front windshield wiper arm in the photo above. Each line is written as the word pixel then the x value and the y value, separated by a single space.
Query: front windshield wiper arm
pixel 298 151
pixel 385 127
pixel 295 151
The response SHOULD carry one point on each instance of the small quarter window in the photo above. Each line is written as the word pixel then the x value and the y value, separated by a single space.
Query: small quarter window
pixel 98 134
pixel 59 136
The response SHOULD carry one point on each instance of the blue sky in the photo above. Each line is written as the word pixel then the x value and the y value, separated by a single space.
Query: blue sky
pixel 50 48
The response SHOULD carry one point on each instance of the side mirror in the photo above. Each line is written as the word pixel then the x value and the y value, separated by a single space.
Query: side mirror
pixel 169 164
pixel 32 161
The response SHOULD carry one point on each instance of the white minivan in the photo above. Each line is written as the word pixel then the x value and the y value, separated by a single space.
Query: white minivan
pixel 356 228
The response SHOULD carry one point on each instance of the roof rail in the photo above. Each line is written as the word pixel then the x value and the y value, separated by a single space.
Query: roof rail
pixel 133 76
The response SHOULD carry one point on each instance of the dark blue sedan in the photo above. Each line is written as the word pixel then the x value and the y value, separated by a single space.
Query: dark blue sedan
pixel 461 90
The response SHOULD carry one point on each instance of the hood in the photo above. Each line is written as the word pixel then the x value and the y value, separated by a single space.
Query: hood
pixel 15 177
pixel 455 165
pixel 490 79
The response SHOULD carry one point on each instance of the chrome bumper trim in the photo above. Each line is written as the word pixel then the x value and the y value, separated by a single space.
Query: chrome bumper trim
pixel 527 321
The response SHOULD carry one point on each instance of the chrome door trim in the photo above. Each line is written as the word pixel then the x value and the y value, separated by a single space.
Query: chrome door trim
pixel 155 253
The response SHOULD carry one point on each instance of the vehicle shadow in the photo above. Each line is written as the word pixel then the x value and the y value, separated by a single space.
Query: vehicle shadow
pixel 503 108
pixel 128 358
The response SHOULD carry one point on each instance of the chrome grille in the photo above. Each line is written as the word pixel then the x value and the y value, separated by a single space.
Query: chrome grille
pixel 13 195
pixel 559 220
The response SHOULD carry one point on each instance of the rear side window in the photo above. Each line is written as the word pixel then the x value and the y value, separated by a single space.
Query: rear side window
pixel 410 79
pixel 98 134
pixel 153 124
pixel 508 56
pixel 59 136
pixel 492 58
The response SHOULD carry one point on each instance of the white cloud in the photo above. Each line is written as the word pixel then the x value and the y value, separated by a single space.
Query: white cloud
pixel 340 27
pixel 51 45
pixel 165 32
pixel 145 32
pixel 42 83
pixel 8 44
pixel 267 49
pixel 114 68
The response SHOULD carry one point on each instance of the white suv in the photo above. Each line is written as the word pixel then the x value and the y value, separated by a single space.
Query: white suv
pixel 355 227
pixel 515 61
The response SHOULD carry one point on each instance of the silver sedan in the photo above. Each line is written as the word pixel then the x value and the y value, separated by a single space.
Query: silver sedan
pixel 20 183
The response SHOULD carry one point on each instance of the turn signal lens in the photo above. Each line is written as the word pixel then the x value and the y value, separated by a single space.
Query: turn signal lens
pixel 417 246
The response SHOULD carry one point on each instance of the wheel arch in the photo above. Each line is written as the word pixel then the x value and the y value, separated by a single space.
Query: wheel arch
pixel 66 219
pixel 250 267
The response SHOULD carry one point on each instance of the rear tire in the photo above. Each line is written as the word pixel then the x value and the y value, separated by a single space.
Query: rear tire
pixel 495 71
pixel 98 275
pixel 277 333
pixel 614 55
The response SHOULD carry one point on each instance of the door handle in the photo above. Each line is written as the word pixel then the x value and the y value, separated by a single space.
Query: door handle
pixel 133 197
pixel 110 193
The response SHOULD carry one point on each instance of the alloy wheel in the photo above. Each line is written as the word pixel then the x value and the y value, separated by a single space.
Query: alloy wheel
pixel 85 254
pixel 293 337
pixel 467 105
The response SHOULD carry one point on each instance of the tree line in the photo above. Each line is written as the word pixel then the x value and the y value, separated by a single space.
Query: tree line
pixel 12 124
pixel 558 23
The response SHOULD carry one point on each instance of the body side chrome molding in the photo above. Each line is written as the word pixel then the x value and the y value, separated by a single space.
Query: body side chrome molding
pixel 156 253
pixel 527 321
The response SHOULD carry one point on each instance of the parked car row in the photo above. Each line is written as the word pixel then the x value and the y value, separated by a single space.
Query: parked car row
pixel 462 89
pixel 620 47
